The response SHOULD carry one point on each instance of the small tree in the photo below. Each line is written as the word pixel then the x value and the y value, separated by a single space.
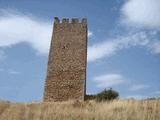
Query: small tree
pixel 107 95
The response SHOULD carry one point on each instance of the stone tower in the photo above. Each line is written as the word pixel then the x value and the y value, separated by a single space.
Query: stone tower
pixel 66 75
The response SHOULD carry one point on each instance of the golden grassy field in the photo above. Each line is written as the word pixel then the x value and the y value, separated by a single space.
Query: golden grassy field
pixel 89 110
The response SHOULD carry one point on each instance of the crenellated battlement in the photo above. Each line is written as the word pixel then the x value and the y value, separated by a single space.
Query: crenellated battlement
pixel 72 21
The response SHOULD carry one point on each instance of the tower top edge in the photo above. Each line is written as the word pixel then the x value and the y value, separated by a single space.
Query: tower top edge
pixel 72 21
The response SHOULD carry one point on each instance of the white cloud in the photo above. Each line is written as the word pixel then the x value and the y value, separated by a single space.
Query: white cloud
pixel 141 12
pixel 10 71
pixel 13 72
pixel 138 87
pixel 16 28
pixel 155 47
pixel 108 80
pixel 110 47
pixel 90 34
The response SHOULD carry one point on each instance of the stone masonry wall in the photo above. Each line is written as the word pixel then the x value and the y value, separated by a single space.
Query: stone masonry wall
pixel 66 75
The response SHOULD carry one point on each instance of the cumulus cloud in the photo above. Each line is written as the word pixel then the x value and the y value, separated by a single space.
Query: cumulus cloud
pixel 138 87
pixel 142 13
pixel 16 28
pixel 111 46
pixel 108 80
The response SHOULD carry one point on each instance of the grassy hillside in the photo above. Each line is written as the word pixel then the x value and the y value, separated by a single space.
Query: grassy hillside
pixel 115 110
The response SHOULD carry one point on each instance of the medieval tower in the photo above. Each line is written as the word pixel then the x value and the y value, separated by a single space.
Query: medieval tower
pixel 66 75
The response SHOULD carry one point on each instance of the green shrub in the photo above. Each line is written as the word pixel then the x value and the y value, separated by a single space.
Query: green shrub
pixel 107 95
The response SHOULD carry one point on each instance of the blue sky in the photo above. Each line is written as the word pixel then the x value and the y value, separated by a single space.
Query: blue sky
pixel 123 45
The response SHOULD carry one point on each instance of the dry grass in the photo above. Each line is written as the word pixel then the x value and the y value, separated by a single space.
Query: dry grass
pixel 115 110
